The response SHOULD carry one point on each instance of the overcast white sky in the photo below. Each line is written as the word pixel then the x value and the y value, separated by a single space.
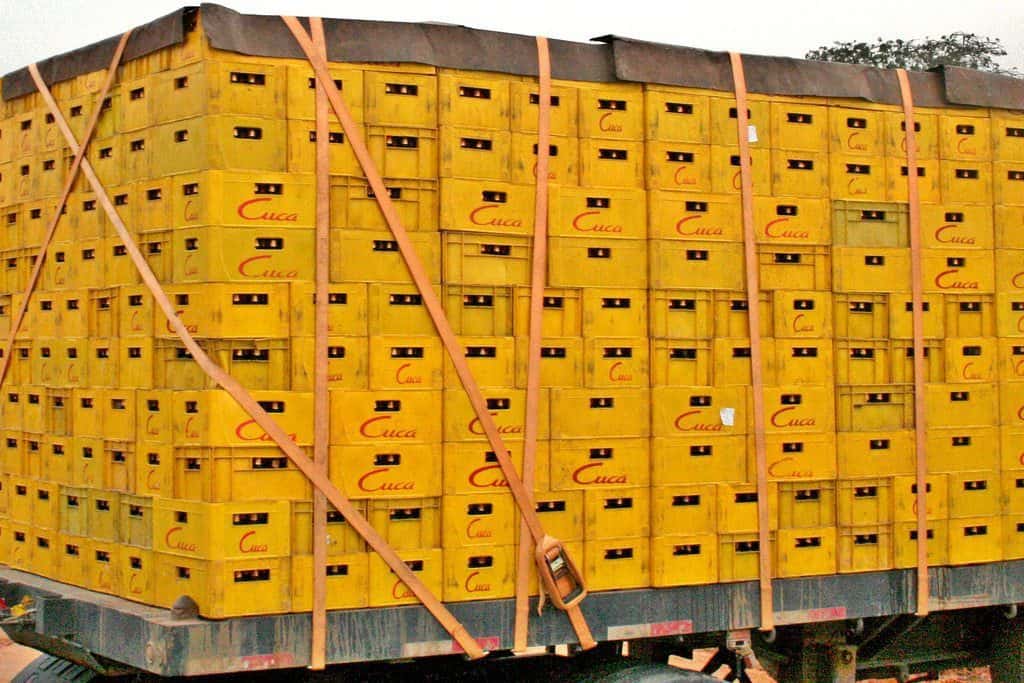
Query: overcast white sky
pixel 33 29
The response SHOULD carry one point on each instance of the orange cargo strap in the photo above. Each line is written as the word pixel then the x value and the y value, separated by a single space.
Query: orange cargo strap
pixel 37 268
pixel 754 321
pixel 917 293
pixel 314 473
pixel 321 399
pixel 552 560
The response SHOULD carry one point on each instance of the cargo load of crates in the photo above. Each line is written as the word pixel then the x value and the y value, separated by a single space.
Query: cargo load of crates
pixel 126 471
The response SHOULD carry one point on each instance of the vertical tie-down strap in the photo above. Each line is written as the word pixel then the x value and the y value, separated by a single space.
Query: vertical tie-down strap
pixel 321 398
pixel 917 294
pixel 754 321
pixel 314 473
pixel 555 567
pixel 37 268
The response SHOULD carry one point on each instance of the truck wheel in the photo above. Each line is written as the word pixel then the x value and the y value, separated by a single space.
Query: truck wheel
pixel 50 669
pixel 627 672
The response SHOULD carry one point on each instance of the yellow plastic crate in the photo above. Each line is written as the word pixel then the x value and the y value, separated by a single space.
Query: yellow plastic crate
pixel 1008 182
pixel 865 501
pixel 929 181
pixel 563 159
pixel 738 507
pixel 487 311
pixel 616 163
pixel 671 166
pixel 102 516
pixel 682 510
pixel 347 365
pixel 619 563
pixel 373 256
pixel 802 314
pixel 686 362
pixel 616 362
pixel 799 456
pixel 212 418
pixel 225 588
pixel 696 411
pixel 474 99
pixel 561 312
pixel 806 552
pixel 302 149
pixel 599 463
pixel 696 265
pixel 341 537
pixel 1007 222
pixel 855 131
pixel 725 171
pixel 799 173
pixel 407 523
pixel 301 84
pixel 234 474
pixel 401 98
pixel 404 152
pixel 739 557
pixel 354 205
pixel 398 362
pixel 688 460
pixel 369 417
pixel 1006 136
pixel 506 406
pixel 561 514
pixel 967 405
pixel 905 543
pixel 472 467
pixel 594 413
pixel 475 153
pixel 865 548
pixel 616 513
pixel 480 519
pixel 492 360
pixel 957 226
pixel 966 181
pixel 723 121
pixel 871 269
pixel 701 217
pixel 216 86
pixel 799 125
pixel 386 589
pixel 807 504
pixel 561 362
pixel 524 107
pixel 872 408
pixel 487 206
pixel 597 261
pixel 395 308
pixel 73 555
pixel 611 110
pixel 857 177
pixel 965 135
pixel 600 214
pixel 476 259
pixel 391 471
pixel 479 573
pixel 203 142
pixel 684 560
pixel 219 198
pixel 222 531
pixel 1013 537
pixel 975 540
pixel 926 134
pixel 905 497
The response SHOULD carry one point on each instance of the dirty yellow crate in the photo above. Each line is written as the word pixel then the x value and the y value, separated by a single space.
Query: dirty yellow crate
pixel 670 166
pixel 794 267
pixel 225 588
pixel 739 556
pixel 793 409
pixel 474 99
pixel 696 411
pixel 902 352
pixel 481 310
pixel 605 213
pixel 863 361
pixel 738 507
pixel 587 464
pixel 965 135
pixel 792 220
pixel 369 417
pixel 400 362
pixel 799 361
pixel 43 556
pixel 404 152
pixel 682 510
pixel 561 312
pixel 855 131
pixel 408 523
pixel 905 543
pixel 799 125
pixel 398 309
pixel 479 573
pixel 216 87
pixel 73 556
pixel 597 261
pixel 135 523
pixel 524 105
pixel 957 226
pixel 404 98
pixel 507 409
pixel 477 259
pixel 222 531
pixel 857 177
pixel 387 589
pixel 871 269
pixel 726 172
pixel 875 454
pixel 1007 222
pixel 74 507
pixel 616 362
pixel 20 549
pixel 492 360
pixel 561 514
pixel 873 408
pixel 616 513
pixel 693 265
pixel 975 540
pixel 865 548
pixel 300 84
pixel 619 563
pixel 480 519
pixel 929 186
pixel 865 501
pixel 202 142
pixel 702 216
pixel 561 362
pixel 970 359
pixel 901 314
pixel 472 467
pixel 861 316
pixel 684 560
pixel 806 504
pixel 563 159
pixel 586 413
pixel 963 405
pixel 119 465
pixel 969 315
pixel 346 358
pixel 955 449
pixel 212 418
pixel 1008 183
pixel 103 356
pixel 233 474
pixel 676 114
pixel 870 224
pixel 353 204
pixel 799 173
pixel 699 459
pixel 87 462
pixel 302 147
pixel 905 497
pixel 1007 134
pixel 487 206
pixel 473 153
pixel 975 494
pixel 926 134
pixel 1012 488
pixel 341 537
pixel 135 574
pixel 1011 448
pixel 686 362
pixel 966 181
pixel 731 314
pixel 393 470
pixel 806 552
pixel 798 456
pixel 723 121
pixel 1009 271
pixel 1013 537
pixel 614 312
pixel 102 516
pixel 611 110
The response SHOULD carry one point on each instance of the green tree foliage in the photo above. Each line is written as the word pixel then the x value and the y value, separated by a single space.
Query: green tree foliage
pixel 955 49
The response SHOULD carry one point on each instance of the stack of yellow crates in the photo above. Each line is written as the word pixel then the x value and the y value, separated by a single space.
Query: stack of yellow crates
pixel 125 470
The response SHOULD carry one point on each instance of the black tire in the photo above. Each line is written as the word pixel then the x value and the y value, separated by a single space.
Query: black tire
pixel 627 672
pixel 50 669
